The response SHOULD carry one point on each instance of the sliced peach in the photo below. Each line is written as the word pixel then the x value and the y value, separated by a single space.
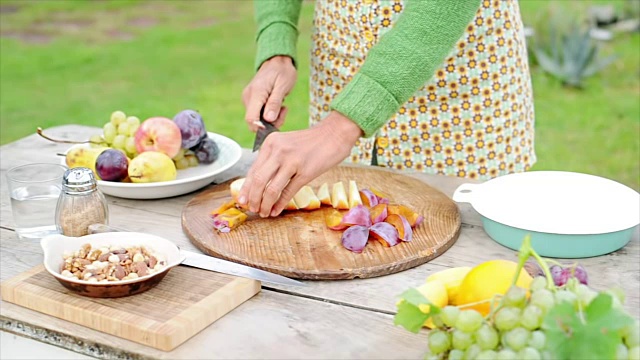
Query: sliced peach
pixel 228 205
pixel 358 215
pixel 339 196
pixel 334 221
pixel 385 233
pixel 355 238
pixel 229 220
pixel 291 205
pixel 323 194
pixel 405 233
pixel 368 198
pixel 413 217
pixel 379 213
pixel 382 197
pixel 306 199
pixel 354 195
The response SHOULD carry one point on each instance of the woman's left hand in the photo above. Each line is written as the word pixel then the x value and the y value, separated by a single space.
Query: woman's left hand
pixel 287 161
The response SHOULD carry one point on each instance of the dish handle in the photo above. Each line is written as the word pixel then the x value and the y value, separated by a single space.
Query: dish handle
pixel 464 193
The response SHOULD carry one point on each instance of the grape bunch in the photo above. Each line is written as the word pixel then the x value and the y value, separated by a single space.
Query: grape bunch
pixel 119 133
pixel 518 327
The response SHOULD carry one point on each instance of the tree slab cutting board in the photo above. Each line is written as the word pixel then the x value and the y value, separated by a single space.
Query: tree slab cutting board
pixel 298 244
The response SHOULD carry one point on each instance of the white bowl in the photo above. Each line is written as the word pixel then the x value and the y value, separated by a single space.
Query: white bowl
pixel 55 246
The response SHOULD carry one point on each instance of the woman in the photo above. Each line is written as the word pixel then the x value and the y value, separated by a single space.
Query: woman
pixel 437 86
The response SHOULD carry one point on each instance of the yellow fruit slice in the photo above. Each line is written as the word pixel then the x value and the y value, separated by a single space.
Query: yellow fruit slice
pixel 354 195
pixel 306 199
pixel 323 194
pixel 452 279
pixel 488 279
pixel 339 196
pixel 291 205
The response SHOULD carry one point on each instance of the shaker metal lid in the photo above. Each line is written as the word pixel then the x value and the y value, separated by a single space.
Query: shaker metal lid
pixel 77 180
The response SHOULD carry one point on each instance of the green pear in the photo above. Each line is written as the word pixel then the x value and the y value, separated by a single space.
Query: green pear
pixel 152 166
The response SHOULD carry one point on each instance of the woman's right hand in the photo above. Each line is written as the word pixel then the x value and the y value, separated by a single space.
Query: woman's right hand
pixel 271 84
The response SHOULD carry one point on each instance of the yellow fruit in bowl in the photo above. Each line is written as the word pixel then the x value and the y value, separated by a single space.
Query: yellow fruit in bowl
pixel 452 279
pixel 488 279
pixel 152 166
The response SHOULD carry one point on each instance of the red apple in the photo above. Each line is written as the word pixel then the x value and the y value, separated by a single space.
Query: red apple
pixel 158 134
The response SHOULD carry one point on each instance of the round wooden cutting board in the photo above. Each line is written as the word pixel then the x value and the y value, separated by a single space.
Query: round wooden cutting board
pixel 298 244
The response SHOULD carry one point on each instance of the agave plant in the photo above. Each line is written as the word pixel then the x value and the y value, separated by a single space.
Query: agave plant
pixel 571 56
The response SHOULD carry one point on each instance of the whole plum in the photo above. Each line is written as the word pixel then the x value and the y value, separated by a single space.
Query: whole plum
pixel 191 128
pixel 112 165
pixel 207 152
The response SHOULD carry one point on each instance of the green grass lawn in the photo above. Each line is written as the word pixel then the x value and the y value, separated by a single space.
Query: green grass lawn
pixel 76 61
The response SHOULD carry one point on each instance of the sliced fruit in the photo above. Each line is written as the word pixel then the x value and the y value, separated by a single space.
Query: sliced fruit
pixel 413 217
pixel 358 215
pixel 354 195
pixel 379 213
pixel 368 198
pixel 405 233
pixel 306 199
pixel 385 233
pixel 334 221
pixel 291 205
pixel 339 196
pixel 323 194
pixel 229 220
pixel 451 278
pixel 355 238
pixel 382 197
pixel 222 208
pixel 235 187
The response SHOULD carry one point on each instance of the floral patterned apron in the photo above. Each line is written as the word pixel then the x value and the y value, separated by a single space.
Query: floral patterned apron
pixel 474 118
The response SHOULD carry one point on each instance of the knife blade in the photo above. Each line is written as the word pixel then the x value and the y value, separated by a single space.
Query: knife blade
pixel 211 263
pixel 262 133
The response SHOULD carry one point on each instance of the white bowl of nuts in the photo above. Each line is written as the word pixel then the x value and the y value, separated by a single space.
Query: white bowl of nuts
pixel 110 264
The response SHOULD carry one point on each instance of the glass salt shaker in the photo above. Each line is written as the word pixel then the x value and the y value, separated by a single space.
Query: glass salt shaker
pixel 80 204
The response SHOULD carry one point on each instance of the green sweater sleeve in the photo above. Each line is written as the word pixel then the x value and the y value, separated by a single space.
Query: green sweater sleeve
pixel 277 33
pixel 403 60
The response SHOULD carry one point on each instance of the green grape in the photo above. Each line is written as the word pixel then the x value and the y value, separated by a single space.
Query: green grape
pixel 456 354
pixel 585 295
pixel 531 317
pixel 182 163
pixel 437 321
pixel 631 335
pixel 439 341
pixel 543 299
pixel 507 354
pixel 566 295
pixel 469 321
pixel 507 318
pixel 529 353
pixel 119 142
pixel 134 124
pixel 179 155
pixel 538 282
pixel 123 128
pixel 117 117
pixel 515 296
pixel 472 351
pixel 431 357
pixel 622 353
pixel 130 147
pixel 193 161
pixel 634 353
pixel 461 340
pixel 537 340
pixel 449 315
pixel 109 132
pixel 547 355
pixel 487 337
pixel 517 338
pixel 97 141
pixel 487 355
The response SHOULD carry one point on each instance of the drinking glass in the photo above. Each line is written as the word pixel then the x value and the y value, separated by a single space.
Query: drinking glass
pixel 34 190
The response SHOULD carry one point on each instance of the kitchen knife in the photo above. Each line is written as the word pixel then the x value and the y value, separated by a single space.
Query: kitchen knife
pixel 211 263
pixel 262 133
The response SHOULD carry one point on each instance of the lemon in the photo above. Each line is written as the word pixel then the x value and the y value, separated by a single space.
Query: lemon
pixel 452 279
pixel 486 280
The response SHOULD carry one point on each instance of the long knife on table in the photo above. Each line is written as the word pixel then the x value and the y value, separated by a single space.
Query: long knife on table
pixel 211 263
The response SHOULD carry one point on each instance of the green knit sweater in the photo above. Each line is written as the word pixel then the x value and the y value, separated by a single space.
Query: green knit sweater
pixel 418 43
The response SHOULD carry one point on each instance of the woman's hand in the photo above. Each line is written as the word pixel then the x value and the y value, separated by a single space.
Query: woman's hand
pixel 287 161
pixel 273 81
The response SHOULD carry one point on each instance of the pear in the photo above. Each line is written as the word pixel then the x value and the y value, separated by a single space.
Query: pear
pixel 81 156
pixel 152 166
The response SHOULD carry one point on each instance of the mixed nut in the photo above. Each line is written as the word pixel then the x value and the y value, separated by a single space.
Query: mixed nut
pixel 113 263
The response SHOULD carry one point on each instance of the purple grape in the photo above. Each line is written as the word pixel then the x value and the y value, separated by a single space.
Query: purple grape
pixel 191 128
pixel 112 165
pixel 207 152
pixel 580 273
pixel 560 276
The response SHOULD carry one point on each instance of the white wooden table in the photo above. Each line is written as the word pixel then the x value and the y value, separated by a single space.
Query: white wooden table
pixel 327 319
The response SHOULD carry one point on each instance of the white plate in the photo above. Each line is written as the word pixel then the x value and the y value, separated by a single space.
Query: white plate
pixel 555 202
pixel 188 180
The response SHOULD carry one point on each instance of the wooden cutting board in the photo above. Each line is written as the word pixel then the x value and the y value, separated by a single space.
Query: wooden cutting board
pixel 186 301
pixel 298 244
